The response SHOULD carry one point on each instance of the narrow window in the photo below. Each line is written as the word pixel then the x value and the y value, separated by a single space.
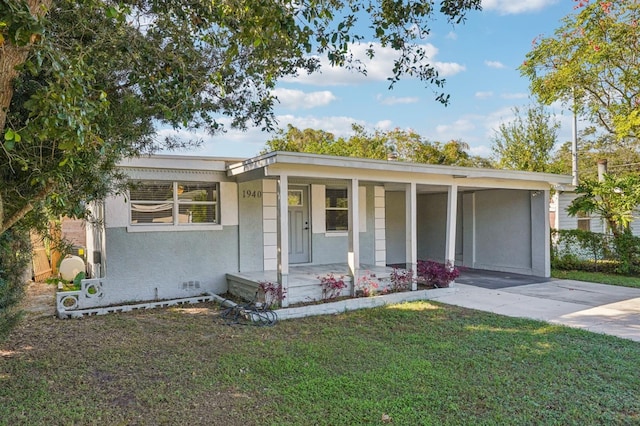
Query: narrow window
pixel 584 221
pixel 337 209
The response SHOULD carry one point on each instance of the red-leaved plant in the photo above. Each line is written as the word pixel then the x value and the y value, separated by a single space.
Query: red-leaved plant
pixel 437 274
pixel 401 280
pixel 274 294
pixel 367 285
pixel 331 286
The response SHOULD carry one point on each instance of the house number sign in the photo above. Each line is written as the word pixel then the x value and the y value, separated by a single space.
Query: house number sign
pixel 251 194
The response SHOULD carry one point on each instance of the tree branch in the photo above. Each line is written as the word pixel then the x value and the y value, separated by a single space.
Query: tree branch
pixel 40 196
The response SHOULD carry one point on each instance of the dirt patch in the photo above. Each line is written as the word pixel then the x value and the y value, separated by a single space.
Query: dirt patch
pixel 39 300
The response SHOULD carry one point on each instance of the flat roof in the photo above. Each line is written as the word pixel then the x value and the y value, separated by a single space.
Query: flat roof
pixel 363 164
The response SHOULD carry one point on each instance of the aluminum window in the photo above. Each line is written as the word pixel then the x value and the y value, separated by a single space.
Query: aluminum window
pixel 337 209
pixel 174 203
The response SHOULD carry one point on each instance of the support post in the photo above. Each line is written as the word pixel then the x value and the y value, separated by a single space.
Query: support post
pixel 411 231
pixel 283 236
pixel 354 233
pixel 452 210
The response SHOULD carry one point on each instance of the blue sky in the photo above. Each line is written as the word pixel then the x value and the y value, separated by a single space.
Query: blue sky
pixel 479 60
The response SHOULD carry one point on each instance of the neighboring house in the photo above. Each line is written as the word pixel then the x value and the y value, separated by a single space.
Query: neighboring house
pixel 560 219
pixel 191 224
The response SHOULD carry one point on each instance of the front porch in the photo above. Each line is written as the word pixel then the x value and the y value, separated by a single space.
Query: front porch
pixel 304 280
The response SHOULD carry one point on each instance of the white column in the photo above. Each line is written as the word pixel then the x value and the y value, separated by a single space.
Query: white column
pixel 452 210
pixel 547 235
pixel 411 230
pixel 354 232
pixel 380 226
pixel 540 234
pixel 283 236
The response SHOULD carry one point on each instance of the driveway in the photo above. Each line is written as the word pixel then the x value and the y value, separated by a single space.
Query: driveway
pixel 599 308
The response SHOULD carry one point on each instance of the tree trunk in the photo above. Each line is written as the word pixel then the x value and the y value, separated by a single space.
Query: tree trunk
pixel 10 57
pixel 15 217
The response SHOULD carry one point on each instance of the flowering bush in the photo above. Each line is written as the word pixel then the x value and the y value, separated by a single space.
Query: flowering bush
pixel 367 285
pixel 401 280
pixel 436 273
pixel 331 286
pixel 274 294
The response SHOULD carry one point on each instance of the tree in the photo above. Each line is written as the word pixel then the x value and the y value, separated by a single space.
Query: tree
pixel 614 199
pixel 84 84
pixel 623 155
pixel 402 145
pixel 526 143
pixel 593 63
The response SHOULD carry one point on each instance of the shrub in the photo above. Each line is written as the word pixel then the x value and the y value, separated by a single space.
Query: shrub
pixel 575 249
pixel 367 285
pixel 15 255
pixel 331 286
pixel 627 248
pixel 274 294
pixel 436 273
pixel 401 280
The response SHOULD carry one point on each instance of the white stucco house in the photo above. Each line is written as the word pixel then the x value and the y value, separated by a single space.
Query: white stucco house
pixel 193 225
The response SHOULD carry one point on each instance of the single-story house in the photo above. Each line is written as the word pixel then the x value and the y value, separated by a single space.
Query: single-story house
pixel 193 225
pixel 560 219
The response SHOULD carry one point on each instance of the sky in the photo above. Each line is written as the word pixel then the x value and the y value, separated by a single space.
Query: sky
pixel 479 60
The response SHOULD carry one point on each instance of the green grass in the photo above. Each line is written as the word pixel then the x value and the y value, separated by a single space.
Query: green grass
pixel 597 277
pixel 419 363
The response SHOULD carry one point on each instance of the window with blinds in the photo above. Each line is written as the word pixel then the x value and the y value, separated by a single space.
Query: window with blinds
pixel 174 203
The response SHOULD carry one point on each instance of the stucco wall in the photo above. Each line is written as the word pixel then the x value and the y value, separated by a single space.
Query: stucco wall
pixel 432 226
pixel 395 227
pixel 250 200
pixel 503 230
pixel 163 265
pixel 331 247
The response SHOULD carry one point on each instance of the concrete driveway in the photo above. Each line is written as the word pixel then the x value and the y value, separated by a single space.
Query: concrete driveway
pixel 599 308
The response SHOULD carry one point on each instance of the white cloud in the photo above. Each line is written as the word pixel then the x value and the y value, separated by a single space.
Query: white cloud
pixel 297 99
pixel 483 95
pixel 481 150
pixel 452 36
pixel 338 125
pixel 494 64
pixel 447 69
pixel 379 68
pixel 453 131
pixel 514 95
pixel 384 124
pixel 392 100
pixel 513 7
pixel 493 121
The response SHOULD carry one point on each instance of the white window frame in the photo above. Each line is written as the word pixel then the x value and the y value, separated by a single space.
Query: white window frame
pixel 327 209
pixel 581 219
pixel 176 202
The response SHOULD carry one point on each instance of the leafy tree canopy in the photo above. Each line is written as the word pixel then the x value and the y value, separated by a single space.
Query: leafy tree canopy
pixel 614 199
pixel 593 62
pixel 622 155
pixel 527 142
pixel 84 84
pixel 401 145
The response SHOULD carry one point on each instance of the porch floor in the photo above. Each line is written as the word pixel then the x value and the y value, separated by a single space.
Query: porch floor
pixel 308 274
pixel 303 280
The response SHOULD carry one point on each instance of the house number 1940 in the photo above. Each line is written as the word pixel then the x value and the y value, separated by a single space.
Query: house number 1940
pixel 251 194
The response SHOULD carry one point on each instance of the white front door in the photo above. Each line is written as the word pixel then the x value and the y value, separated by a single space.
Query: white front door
pixel 299 224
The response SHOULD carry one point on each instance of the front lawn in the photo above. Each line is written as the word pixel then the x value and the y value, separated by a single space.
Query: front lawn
pixel 597 277
pixel 419 363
